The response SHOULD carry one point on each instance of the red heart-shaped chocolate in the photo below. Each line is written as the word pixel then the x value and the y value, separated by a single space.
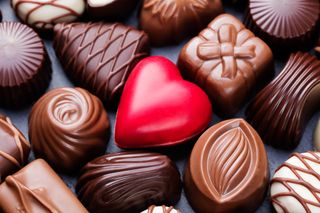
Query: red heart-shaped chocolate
pixel 159 108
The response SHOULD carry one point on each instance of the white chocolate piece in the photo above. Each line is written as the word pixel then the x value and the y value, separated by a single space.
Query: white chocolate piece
pixel 295 186
pixel 44 14
pixel 99 3
pixel 160 209
pixel 316 137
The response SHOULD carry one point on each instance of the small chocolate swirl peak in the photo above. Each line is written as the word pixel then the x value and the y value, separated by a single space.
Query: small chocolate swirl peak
pixel 14 148
pixel 128 182
pixel 68 127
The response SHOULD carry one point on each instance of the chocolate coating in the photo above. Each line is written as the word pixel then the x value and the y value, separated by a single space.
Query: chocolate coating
pixel 25 68
pixel 37 188
pixel 227 61
pixel 128 182
pixel 68 127
pixel 171 21
pixel 45 14
pixel 289 24
pixel 99 56
pixel 281 110
pixel 227 170
pixel 14 148
pixel 110 10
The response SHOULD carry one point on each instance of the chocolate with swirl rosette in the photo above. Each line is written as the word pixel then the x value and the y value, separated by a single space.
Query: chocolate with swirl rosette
pixel 68 127
pixel 228 62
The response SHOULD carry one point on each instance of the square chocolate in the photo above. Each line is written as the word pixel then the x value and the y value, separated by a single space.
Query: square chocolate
pixel 37 188
pixel 227 61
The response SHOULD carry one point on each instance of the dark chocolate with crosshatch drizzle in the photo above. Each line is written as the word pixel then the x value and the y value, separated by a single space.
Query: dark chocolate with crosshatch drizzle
pixel 25 68
pixel 37 188
pixel 128 182
pixel 100 56
pixel 281 110
pixel 14 148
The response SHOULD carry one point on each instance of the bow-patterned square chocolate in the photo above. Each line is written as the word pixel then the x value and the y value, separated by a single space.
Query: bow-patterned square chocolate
pixel 227 61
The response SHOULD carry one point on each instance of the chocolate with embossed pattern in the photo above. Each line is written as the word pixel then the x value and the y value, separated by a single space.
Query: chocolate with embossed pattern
pixel 227 169
pixel 14 148
pixel 37 188
pixel 128 182
pixel 68 127
pixel 100 56
pixel 171 21
pixel 228 62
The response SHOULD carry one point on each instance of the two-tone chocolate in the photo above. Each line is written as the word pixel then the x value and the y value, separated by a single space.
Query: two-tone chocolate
pixel 161 209
pixel 37 188
pixel 295 184
pixel 171 21
pixel 68 127
pixel 110 10
pixel 25 68
pixel 100 56
pixel 128 182
pixel 227 61
pixel 227 170
pixel 282 109
pixel 45 14
pixel 14 148
pixel 285 25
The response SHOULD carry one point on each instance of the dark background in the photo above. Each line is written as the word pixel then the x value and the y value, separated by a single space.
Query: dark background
pixel 179 154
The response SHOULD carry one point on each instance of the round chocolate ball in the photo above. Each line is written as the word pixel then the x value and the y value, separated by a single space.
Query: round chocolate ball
pixel 68 127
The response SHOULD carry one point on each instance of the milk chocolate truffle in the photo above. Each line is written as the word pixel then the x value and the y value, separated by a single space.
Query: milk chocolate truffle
pixel 37 188
pixel 227 61
pixel 99 56
pixel 171 21
pixel 161 209
pixel 110 10
pixel 25 68
pixel 45 14
pixel 68 127
pixel 295 184
pixel 282 109
pixel 128 182
pixel 227 169
pixel 285 25
pixel 14 148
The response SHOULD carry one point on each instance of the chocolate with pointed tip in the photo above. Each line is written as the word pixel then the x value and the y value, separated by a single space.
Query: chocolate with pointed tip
pixel 227 170
pixel 171 21
pixel 37 188
pixel 282 109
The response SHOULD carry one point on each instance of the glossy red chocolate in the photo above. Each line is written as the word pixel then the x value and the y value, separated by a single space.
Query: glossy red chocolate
pixel 159 108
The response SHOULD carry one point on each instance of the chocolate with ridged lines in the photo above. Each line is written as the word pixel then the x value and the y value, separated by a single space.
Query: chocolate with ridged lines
pixel 25 68
pixel 128 182
pixel 100 56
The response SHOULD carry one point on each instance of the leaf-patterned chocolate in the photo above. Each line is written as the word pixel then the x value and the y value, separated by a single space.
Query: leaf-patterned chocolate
pixel 232 172
pixel 100 56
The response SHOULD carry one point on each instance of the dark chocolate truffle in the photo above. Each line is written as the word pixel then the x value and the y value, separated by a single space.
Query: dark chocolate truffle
pixel 228 62
pixel 99 56
pixel 45 14
pixel 25 68
pixel 37 188
pixel 68 127
pixel 281 110
pixel 14 148
pixel 227 169
pixel 288 24
pixel 171 21
pixel 111 10
pixel 128 182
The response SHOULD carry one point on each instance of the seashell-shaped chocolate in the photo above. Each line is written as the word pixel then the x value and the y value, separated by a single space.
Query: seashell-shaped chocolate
pixel 295 186
pixel 68 127
pixel 128 182
pixel 100 56
pixel 281 110
pixel 44 14
pixel 227 170
pixel 14 148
